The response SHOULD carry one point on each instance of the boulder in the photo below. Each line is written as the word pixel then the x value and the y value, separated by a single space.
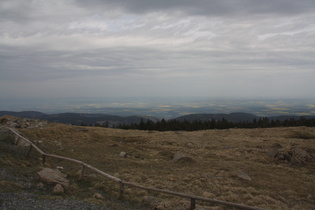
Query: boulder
pixel 294 155
pixel 297 162
pixel 21 142
pixel 4 120
pixel 51 176
pixel 301 153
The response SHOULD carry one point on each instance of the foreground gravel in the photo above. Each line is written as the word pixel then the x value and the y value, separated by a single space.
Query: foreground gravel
pixel 28 201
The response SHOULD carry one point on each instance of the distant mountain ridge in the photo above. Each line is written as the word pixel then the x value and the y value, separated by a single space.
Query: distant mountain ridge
pixel 24 114
pixel 114 120
pixel 81 118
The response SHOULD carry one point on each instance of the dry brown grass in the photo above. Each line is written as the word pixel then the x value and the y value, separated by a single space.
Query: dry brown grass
pixel 216 154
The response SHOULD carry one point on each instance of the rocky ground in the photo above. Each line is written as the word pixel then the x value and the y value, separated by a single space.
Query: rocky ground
pixel 20 187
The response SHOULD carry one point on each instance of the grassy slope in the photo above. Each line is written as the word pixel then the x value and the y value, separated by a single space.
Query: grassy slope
pixel 216 154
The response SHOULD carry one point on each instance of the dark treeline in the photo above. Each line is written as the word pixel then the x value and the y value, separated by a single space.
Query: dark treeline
pixel 175 125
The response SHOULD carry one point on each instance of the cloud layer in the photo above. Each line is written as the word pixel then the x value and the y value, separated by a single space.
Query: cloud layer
pixel 239 48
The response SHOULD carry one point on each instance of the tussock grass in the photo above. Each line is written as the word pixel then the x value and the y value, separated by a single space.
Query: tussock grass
pixel 302 134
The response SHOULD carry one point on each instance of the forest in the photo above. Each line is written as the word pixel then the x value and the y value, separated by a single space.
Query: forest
pixel 177 125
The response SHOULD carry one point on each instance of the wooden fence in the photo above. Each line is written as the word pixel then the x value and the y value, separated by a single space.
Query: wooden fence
pixel 23 141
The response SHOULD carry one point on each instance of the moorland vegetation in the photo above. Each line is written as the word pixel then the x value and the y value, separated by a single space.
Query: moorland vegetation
pixel 272 168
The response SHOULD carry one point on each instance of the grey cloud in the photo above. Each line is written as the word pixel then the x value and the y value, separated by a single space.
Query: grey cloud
pixel 15 11
pixel 160 48
pixel 208 8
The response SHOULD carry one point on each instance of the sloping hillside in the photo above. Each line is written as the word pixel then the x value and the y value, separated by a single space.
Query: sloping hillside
pixel 271 168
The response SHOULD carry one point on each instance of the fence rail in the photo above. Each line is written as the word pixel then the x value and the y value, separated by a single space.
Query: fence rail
pixel 122 183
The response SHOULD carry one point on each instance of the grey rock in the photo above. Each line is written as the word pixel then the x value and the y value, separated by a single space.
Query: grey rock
pixel 98 196
pixel 58 189
pixel 150 201
pixel 241 174
pixel 123 154
pixel 52 176
pixel 181 157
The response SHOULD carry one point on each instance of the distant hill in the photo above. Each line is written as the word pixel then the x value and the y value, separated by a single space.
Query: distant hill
pixel 114 120
pixel 95 119
pixel 233 117
pixel 81 118
pixel 24 114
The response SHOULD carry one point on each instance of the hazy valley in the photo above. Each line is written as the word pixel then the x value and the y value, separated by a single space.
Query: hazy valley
pixel 167 108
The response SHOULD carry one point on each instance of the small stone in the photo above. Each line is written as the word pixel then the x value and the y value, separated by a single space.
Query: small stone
pixel 208 195
pixel 40 186
pixel 190 145
pixel 241 174
pixel 60 168
pixel 221 174
pixel 98 196
pixel 58 189
pixel 151 201
pixel 123 154
pixel 182 157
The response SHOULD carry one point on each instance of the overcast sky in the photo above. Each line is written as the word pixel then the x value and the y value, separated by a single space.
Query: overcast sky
pixel 105 48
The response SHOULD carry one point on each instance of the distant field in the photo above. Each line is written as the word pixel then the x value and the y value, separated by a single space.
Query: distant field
pixel 215 159
pixel 163 107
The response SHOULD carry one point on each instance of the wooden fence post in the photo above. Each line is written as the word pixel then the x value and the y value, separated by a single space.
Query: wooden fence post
pixel 192 204
pixel 82 171
pixel 16 139
pixel 29 151
pixel 44 158
pixel 121 189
